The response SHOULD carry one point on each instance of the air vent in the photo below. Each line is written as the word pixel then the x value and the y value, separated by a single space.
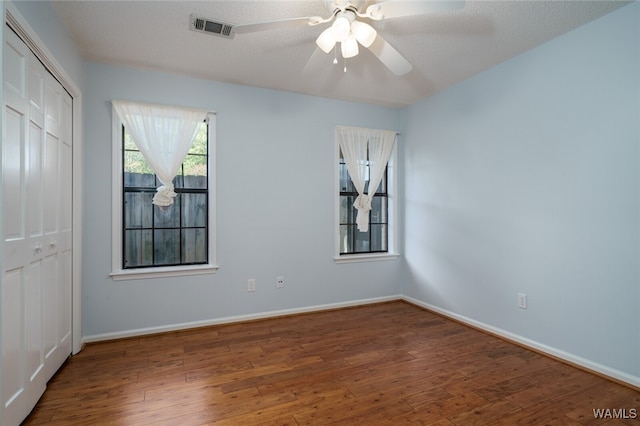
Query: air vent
pixel 209 26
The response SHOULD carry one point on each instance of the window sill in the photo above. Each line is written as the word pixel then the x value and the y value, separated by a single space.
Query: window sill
pixel 369 257
pixel 162 272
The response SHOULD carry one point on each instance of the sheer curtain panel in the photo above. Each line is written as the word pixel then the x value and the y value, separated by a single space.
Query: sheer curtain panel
pixel 164 135
pixel 366 153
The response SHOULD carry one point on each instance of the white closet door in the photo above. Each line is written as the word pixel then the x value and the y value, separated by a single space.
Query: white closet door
pixel 56 201
pixel 34 356
pixel 22 364
pixel 51 212
pixel 36 240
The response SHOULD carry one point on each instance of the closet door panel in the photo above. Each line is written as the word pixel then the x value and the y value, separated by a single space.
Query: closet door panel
pixel 34 182
pixel 14 386
pixel 50 313
pixel 36 78
pixel 33 321
pixel 13 177
pixel 51 188
pixel 15 66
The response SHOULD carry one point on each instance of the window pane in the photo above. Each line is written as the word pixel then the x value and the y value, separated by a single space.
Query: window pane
pixel 379 210
pixel 362 241
pixel 138 248
pixel 128 142
pixel 178 180
pixel 378 237
pixel 167 217
pixel 194 246
pixel 382 187
pixel 345 180
pixel 346 241
pixel 167 246
pixel 139 180
pixel 199 145
pixel 137 171
pixel 194 210
pixel 138 210
pixel 195 171
pixel 347 211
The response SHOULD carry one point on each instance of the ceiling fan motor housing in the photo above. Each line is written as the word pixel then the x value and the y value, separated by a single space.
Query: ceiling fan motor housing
pixel 334 6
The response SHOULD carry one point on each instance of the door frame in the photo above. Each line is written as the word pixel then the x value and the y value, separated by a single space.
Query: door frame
pixel 17 23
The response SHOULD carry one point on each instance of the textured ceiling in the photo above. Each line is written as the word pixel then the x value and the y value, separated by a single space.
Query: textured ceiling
pixel 444 48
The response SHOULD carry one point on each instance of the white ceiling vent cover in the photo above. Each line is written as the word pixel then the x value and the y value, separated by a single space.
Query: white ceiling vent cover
pixel 208 26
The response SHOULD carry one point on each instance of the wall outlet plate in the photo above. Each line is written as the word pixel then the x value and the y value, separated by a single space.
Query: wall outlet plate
pixel 279 282
pixel 251 285
pixel 522 301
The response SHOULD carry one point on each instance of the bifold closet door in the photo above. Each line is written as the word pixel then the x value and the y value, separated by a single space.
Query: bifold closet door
pixel 56 226
pixel 36 231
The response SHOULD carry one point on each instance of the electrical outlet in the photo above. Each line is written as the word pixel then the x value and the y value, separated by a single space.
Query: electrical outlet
pixel 522 301
pixel 251 285
pixel 279 282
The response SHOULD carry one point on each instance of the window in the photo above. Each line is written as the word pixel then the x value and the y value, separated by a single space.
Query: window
pixel 164 236
pixel 376 239
pixel 154 240
pixel 379 242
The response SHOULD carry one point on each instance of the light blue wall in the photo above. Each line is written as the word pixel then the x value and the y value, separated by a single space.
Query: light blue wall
pixel 44 21
pixel 525 178
pixel 275 155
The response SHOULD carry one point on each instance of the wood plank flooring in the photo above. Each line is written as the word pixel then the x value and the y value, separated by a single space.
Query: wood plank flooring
pixel 383 364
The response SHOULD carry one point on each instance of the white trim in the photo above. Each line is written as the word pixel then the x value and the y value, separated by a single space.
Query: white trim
pixel 392 191
pixel 238 318
pixel 532 344
pixel 2 132
pixel 31 39
pixel 373 257
pixel 117 272
pixel 161 272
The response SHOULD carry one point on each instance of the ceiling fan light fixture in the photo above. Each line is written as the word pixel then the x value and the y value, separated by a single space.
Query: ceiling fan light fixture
pixel 326 40
pixel 349 47
pixel 364 33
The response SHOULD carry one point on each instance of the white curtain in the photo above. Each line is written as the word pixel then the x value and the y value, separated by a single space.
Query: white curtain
pixel 354 143
pixel 164 135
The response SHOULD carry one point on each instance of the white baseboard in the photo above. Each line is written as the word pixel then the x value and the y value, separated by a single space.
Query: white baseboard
pixel 540 347
pixel 240 318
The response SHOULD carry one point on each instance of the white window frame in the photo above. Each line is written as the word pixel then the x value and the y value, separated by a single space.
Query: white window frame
pixel 392 200
pixel 117 272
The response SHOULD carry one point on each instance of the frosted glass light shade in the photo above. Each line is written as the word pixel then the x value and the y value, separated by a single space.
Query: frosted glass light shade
pixel 341 28
pixel 364 33
pixel 349 47
pixel 326 40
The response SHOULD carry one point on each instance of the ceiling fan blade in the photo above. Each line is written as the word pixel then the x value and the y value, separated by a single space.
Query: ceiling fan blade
pixel 314 62
pixel 400 8
pixel 389 56
pixel 282 23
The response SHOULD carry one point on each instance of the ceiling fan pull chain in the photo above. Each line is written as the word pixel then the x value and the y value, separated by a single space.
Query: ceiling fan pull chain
pixel 345 64
pixel 335 54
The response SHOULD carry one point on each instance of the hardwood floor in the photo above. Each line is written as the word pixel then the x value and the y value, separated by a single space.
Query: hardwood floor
pixel 384 364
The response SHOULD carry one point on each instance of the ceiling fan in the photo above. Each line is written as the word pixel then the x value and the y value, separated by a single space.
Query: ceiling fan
pixel 349 28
